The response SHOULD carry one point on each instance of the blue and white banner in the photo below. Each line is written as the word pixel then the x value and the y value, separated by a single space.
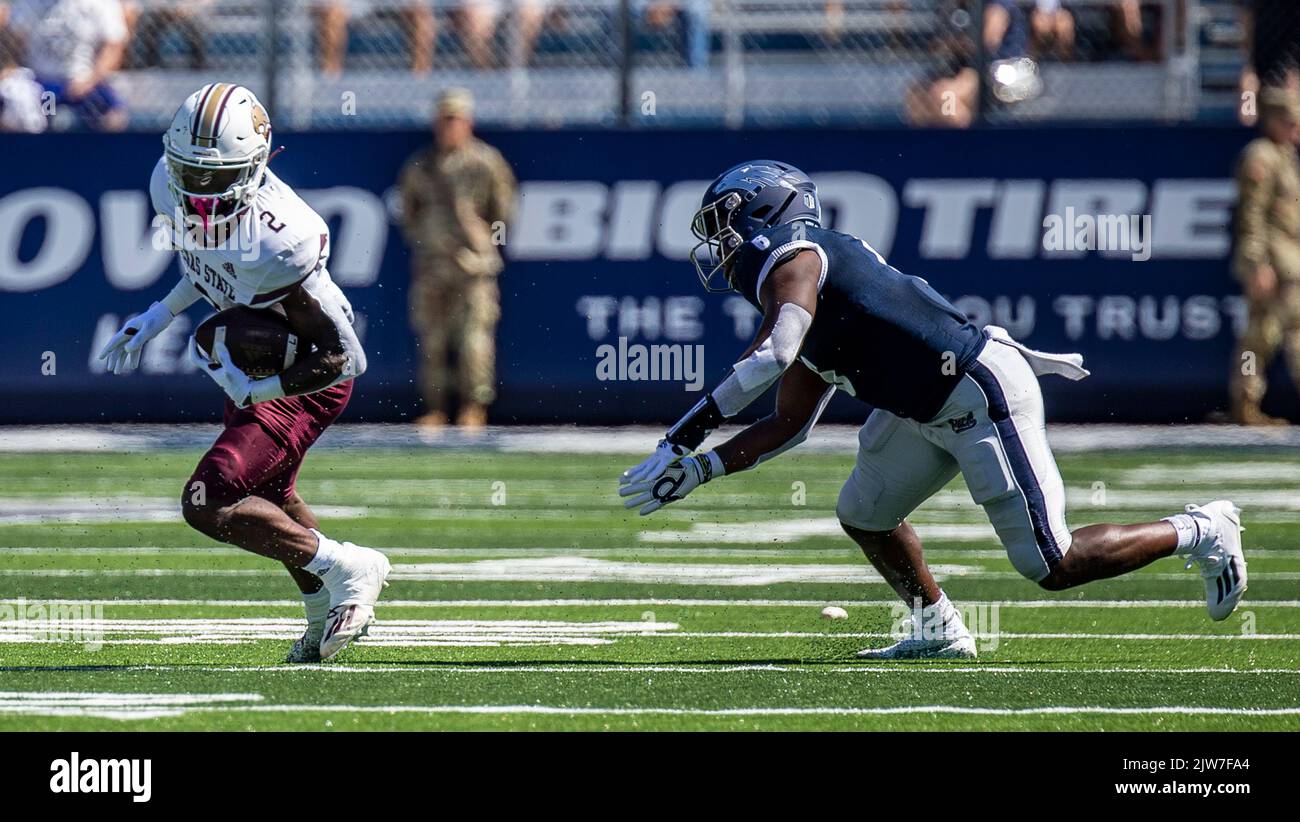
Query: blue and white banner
pixel 1109 242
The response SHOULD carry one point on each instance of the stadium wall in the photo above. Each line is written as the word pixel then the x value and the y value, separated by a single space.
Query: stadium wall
pixel 598 253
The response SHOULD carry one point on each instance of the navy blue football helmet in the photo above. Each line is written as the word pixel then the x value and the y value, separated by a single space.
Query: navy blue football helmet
pixel 744 200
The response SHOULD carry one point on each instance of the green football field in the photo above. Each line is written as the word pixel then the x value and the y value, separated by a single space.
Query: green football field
pixel 524 597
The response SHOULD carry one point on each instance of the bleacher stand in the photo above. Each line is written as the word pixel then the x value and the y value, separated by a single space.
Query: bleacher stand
pixel 700 62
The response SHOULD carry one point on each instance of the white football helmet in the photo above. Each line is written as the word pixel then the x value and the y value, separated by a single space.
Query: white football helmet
pixel 216 151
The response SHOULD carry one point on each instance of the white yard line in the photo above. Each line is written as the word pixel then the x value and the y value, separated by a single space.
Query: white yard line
pixel 849 552
pixel 1050 710
pixel 837 439
pixel 409 633
pixel 115 705
pixel 760 668
pixel 485 633
pixel 1213 473
pixel 997 634
pixel 572 569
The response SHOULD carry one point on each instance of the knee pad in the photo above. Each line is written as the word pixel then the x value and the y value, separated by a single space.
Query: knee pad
pixel 858 504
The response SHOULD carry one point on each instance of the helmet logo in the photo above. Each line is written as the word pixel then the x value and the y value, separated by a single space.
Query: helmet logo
pixel 808 200
pixel 733 200
pixel 261 122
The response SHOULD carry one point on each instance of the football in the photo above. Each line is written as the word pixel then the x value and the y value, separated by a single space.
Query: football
pixel 260 341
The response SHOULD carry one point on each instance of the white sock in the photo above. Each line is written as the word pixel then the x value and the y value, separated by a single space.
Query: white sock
pixel 318 606
pixel 944 609
pixel 1191 530
pixel 931 617
pixel 328 552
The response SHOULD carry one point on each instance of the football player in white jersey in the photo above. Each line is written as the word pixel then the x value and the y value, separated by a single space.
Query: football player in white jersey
pixel 245 238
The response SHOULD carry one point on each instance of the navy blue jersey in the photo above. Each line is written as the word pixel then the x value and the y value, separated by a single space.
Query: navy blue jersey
pixel 888 338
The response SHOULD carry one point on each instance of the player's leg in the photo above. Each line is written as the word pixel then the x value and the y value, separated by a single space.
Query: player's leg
pixel 298 511
pixel 218 499
pixel 238 491
pixel 315 596
pixel 898 557
pixel 1010 471
pixel 897 469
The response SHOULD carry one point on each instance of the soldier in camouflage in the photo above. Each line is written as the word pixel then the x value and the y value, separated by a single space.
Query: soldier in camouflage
pixel 457 197
pixel 1267 253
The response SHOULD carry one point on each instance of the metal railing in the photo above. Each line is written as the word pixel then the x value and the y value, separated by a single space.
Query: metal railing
pixel 379 63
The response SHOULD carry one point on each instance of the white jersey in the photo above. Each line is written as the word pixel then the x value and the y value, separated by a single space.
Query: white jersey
pixel 64 36
pixel 277 245
pixel 20 102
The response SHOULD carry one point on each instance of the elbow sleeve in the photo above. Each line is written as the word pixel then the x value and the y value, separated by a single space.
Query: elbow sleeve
pixel 756 373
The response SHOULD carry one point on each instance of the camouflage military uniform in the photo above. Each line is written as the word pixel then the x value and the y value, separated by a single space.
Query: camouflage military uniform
pixel 1267 234
pixel 456 205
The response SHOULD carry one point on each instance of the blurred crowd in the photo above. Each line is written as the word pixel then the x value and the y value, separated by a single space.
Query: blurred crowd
pixel 61 55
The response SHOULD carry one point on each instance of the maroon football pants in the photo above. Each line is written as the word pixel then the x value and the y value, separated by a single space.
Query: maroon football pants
pixel 262 446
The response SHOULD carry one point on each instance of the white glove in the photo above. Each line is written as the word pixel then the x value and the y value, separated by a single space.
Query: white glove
pixel 237 385
pixel 673 483
pixel 123 351
pixel 665 454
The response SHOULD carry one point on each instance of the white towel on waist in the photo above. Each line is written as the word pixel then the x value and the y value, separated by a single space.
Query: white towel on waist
pixel 1069 366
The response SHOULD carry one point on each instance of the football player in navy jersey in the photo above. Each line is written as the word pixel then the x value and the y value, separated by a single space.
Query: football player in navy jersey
pixel 947 398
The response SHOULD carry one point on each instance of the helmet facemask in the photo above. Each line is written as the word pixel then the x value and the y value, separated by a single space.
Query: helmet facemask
pixel 718 241
pixel 211 191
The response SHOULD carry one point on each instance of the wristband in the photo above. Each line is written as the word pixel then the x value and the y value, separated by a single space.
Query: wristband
pixel 695 427
pixel 265 389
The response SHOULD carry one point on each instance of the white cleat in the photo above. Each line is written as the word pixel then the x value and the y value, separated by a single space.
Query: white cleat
pixel 956 643
pixel 1223 564
pixel 355 583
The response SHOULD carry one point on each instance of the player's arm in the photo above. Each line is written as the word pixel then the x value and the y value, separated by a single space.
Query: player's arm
pixel 337 356
pixel 789 300
pixel 123 351
pixel 800 400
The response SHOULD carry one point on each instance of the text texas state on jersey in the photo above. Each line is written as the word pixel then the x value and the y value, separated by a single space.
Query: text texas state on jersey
pixel 277 245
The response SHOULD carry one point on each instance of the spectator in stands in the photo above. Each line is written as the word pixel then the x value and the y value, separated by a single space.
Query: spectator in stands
pixel 75 47
pixel 1271 37
pixel 149 23
pixel 457 197
pixel 477 21
pixel 1052 30
pixel 332 18
pixel 949 96
pixel 20 94
pixel 661 15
